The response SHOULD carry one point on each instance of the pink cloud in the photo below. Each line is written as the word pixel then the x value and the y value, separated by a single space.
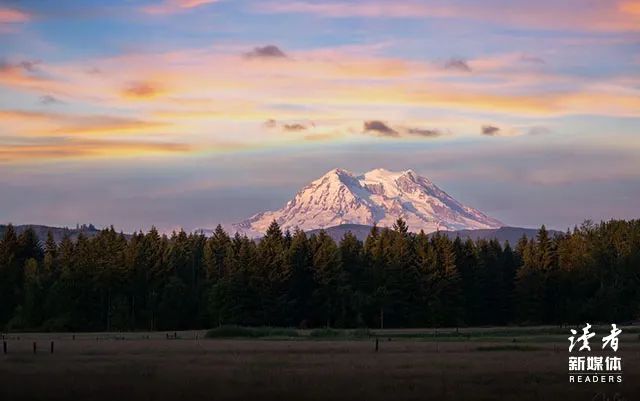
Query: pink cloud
pixel 9 15
pixel 175 6
pixel 400 9
pixel 600 16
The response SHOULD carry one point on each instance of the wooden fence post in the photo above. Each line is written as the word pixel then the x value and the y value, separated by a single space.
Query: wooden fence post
pixel 376 344
pixel 34 347
pixel 4 347
pixel 52 346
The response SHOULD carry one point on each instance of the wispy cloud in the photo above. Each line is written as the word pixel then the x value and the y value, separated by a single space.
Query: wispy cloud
pixel 56 124
pixel 288 126
pixel 48 99
pixel 11 16
pixel 294 127
pixel 74 148
pixel 337 84
pixel 204 94
pixel 142 90
pixel 457 64
pixel 175 6
pixel 267 52
pixel 337 9
pixel 28 66
pixel 426 133
pixel 385 129
pixel 607 16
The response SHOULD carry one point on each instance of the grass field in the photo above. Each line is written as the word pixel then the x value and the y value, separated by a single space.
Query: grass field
pixel 286 364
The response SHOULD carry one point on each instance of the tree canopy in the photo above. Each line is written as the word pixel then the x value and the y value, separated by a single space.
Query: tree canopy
pixel 394 278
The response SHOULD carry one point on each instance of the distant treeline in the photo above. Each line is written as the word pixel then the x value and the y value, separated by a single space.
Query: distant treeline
pixel 395 278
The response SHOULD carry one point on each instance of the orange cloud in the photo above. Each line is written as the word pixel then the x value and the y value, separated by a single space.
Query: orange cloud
pixel 335 88
pixel 41 123
pixel 83 148
pixel 20 74
pixel 142 90
pixel 9 15
pixel 630 7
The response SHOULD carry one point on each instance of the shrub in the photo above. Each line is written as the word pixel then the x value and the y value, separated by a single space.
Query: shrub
pixel 361 333
pixel 250 332
pixel 325 333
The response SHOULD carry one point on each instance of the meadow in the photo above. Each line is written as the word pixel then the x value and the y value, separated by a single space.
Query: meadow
pixel 502 363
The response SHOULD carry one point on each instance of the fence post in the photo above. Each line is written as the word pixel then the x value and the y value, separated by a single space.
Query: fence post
pixel 376 344
pixel 52 346
pixel 4 347
pixel 34 347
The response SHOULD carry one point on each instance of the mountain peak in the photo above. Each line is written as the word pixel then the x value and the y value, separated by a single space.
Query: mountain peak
pixel 378 196
pixel 338 171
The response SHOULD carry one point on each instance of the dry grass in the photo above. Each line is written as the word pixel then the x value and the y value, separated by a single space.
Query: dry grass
pixel 134 367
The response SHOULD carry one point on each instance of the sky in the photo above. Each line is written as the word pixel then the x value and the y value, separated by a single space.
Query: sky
pixel 187 113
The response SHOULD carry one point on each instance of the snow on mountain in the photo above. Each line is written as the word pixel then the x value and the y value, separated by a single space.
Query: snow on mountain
pixel 376 197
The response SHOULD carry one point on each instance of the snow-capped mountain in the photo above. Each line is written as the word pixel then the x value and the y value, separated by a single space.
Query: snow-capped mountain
pixel 375 197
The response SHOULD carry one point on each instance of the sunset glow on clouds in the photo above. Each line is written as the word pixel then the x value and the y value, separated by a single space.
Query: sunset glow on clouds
pixel 173 82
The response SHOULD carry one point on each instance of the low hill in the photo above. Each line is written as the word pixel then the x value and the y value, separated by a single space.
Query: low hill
pixel 58 232
pixel 502 234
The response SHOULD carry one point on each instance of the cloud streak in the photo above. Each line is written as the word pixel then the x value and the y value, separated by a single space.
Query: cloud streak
pixel 77 148
pixel 288 126
pixel 384 129
pixel 425 133
pixel 56 124
pixel 142 90
pixel 603 16
pixel 175 6
pixel 294 127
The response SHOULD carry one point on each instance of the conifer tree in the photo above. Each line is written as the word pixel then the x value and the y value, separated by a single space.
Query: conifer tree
pixel 330 290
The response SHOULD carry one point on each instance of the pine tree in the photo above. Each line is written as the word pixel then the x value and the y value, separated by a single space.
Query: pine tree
pixel 270 275
pixel 330 291
pixel 402 277
pixel 299 279
pixel 216 251
pixel 10 274
pixel 353 266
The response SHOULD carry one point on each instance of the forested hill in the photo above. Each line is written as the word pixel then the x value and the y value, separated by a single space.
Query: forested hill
pixel 57 232
pixel 153 281
pixel 502 234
